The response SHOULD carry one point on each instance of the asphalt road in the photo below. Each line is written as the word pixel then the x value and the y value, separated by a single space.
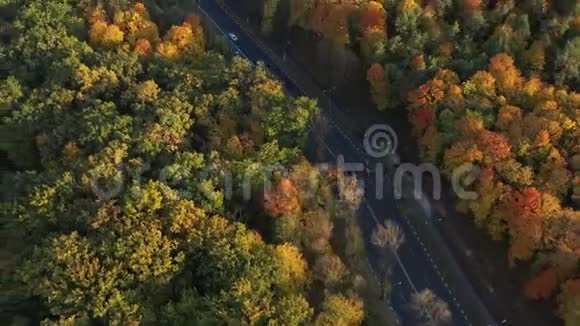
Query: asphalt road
pixel 418 269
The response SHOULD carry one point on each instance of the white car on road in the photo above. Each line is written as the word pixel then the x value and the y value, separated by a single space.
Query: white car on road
pixel 233 36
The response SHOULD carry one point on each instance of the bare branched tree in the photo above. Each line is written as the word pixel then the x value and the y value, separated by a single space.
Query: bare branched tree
pixel 349 191
pixel 330 270
pixel 430 309
pixel 388 235
pixel 318 230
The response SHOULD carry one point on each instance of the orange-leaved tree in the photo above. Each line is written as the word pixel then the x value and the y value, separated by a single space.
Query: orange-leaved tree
pixel 525 222
pixel 283 199
pixel 508 77
pixel 372 17
pixel 495 147
pixel 543 285
pixel 420 119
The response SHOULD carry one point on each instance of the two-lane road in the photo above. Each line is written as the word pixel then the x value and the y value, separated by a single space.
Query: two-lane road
pixel 418 269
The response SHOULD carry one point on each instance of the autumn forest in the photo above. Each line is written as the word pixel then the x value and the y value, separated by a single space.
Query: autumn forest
pixel 491 83
pixel 125 123
pixel 115 133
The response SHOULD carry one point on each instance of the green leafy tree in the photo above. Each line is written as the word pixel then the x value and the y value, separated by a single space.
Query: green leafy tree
pixel 10 92
pixel 269 11
pixel 567 63
pixel 339 310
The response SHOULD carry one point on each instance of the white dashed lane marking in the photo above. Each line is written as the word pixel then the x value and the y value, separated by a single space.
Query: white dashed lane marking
pixel 356 148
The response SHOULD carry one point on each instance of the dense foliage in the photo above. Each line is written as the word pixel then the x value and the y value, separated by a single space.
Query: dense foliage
pixel 492 83
pixel 409 40
pixel 130 148
pixel 521 132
